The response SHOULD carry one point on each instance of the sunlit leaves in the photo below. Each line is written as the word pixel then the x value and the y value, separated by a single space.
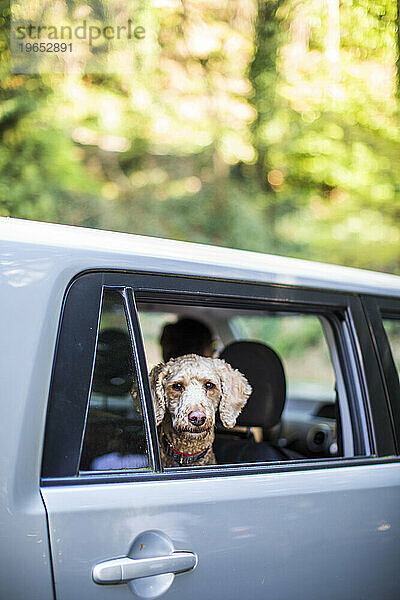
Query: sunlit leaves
pixel 266 125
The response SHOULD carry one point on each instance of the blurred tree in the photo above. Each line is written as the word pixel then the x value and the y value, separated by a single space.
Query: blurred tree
pixel 329 138
pixel 41 176
pixel 398 46
pixel 268 125
pixel 264 76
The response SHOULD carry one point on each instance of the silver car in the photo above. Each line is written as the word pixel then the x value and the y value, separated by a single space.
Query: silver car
pixel 303 500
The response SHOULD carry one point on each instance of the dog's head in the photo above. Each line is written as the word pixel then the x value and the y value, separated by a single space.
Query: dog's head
pixel 191 388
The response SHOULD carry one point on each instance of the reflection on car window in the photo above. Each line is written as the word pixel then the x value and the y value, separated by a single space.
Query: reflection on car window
pixel 115 434
pixel 392 328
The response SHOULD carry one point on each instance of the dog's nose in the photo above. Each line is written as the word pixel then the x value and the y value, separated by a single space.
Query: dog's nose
pixel 197 417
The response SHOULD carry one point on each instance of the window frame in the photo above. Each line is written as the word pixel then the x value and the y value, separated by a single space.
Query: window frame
pixel 79 329
pixel 376 309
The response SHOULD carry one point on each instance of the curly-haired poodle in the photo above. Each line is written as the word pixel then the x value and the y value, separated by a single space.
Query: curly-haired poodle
pixel 187 392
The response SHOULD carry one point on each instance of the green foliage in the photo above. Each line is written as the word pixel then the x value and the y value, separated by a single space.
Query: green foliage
pixel 41 175
pixel 269 125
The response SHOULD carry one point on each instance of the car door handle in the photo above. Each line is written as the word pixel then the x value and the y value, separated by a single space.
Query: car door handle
pixel 122 570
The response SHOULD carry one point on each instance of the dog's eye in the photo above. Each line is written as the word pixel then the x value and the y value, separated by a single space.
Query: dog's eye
pixel 209 385
pixel 177 386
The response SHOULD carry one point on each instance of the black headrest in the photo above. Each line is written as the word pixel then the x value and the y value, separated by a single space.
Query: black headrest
pixel 113 368
pixel 263 369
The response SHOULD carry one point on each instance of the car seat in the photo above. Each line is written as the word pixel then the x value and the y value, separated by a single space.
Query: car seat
pixel 264 370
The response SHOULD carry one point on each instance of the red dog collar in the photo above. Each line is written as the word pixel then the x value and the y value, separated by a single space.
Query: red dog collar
pixel 180 457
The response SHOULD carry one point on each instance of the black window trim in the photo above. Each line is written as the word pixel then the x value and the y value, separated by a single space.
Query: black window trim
pixel 103 477
pixel 68 399
pixel 143 381
pixel 140 285
pixel 340 331
pixel 376 309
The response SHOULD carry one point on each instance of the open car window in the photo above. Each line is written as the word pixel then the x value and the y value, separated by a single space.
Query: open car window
pixel 305 421
pixel 271 376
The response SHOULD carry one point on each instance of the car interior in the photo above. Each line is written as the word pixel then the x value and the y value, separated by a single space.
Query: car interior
pixel 293 413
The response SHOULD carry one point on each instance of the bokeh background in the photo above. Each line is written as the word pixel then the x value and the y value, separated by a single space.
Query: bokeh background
pixel 268 125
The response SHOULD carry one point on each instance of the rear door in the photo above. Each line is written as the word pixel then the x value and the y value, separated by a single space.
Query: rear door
pixel 269 529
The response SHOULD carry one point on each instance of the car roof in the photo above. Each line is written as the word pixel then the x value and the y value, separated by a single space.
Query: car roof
pixel 82 249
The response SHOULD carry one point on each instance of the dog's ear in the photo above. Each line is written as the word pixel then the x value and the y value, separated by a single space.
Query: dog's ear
pixel 235 392
pixel 157 376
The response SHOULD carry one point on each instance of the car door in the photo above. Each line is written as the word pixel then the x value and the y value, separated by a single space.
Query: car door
pixel 281 530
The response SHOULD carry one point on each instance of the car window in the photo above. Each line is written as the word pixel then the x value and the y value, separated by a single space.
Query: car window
pixel 275 385
pixel 115 434
pixel 307 421
pixel 392 328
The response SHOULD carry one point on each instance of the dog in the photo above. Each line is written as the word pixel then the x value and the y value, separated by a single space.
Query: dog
pixel 187 391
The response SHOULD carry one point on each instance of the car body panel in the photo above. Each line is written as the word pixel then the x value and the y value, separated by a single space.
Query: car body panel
pixel 281 535
pixel 27 341
pixel 45 249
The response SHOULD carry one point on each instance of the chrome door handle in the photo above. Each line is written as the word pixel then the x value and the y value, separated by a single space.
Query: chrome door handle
pixel 122 570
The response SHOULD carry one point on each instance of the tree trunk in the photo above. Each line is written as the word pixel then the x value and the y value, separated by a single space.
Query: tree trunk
pixel 398 50
pixel 263 76
pixel 332 48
